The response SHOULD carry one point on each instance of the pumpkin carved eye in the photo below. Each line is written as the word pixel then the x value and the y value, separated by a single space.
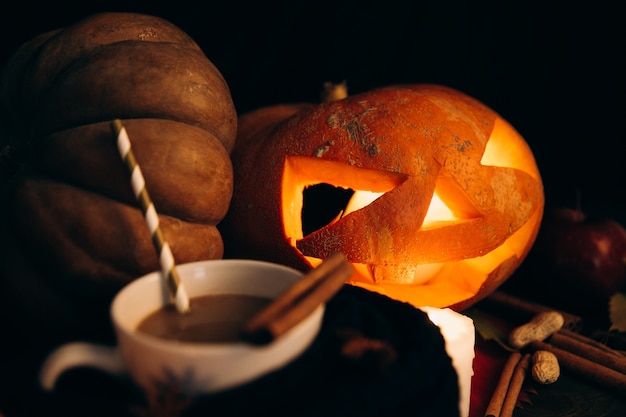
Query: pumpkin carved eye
pixel 302 173
pixel 323 204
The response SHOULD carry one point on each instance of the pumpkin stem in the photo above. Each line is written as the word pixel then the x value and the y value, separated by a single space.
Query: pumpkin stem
pixel 333 92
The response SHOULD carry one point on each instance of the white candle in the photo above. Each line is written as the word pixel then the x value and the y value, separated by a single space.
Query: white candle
pixel 459 335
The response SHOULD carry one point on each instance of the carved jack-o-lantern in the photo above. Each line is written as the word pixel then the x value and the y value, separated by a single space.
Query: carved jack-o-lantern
pixel 446 198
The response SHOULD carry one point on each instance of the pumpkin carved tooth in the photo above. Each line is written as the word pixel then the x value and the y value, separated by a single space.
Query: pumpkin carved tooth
pixel 412 146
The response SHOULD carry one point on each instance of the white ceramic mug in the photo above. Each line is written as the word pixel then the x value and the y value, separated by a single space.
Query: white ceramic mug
pixel 198 368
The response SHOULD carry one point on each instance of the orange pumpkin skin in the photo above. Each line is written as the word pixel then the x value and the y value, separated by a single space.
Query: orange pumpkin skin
pixel 72 231
pixel 405 143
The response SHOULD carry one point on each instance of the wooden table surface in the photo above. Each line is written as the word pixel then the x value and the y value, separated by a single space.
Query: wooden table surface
pixel 571 396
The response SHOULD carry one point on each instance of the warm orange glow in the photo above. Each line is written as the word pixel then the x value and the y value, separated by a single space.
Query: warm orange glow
pixel 302 172
pixel 443 284
pixel 455 284
pixel 438 211
pixel 507 148
pixel 360 199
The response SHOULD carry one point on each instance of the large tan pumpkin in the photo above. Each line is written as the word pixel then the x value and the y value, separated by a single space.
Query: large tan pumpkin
pixel 446 195
pixel 72 232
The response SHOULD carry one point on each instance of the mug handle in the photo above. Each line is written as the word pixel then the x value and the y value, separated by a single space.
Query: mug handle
pixel 79 354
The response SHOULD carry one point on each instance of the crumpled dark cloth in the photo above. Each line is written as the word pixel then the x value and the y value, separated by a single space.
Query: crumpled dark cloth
pixel 393 363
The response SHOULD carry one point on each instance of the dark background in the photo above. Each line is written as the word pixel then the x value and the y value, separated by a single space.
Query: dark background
pixel 555 70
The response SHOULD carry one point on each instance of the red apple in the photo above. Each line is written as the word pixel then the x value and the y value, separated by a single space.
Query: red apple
pixel 577 261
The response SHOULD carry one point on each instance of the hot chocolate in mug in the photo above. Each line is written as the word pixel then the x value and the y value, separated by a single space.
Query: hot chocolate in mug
pixel 199 367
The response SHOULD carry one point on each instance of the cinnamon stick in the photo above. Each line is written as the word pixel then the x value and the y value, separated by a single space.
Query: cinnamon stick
pixel 497 398
pixel 524 309
pixel 519 375
pixel 595 372
pixel 589 350
pixel 589 341
pixel 315 288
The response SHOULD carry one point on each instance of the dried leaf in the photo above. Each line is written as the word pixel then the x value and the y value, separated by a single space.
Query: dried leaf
pixel 488 328
pixel 617 312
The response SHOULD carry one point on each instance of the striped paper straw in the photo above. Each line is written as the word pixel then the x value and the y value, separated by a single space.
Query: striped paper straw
pixel 163 249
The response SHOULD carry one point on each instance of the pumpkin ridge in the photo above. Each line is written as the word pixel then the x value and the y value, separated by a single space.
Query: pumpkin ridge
pixel 130 251
pixel 107 176
pixel 70 43
pixel 78 97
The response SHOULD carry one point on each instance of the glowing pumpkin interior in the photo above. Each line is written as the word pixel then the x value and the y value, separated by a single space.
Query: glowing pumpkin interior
pixel 455 283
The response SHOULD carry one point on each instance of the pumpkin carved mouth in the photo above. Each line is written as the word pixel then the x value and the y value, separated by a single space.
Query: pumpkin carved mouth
pixel 318 193
pixel 323 203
